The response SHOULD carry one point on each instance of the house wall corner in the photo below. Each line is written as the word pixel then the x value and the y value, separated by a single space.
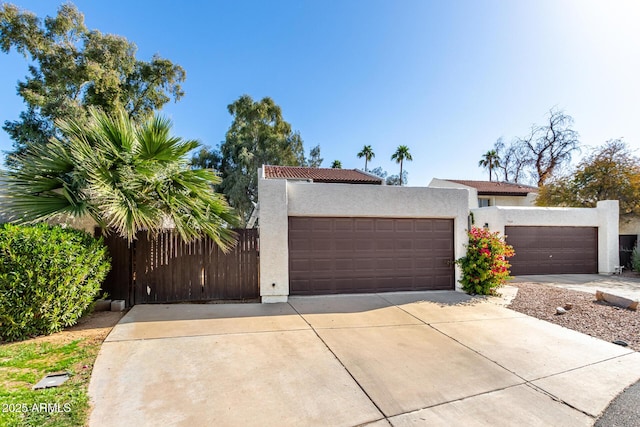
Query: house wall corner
pixel 608 226
pixel 274 244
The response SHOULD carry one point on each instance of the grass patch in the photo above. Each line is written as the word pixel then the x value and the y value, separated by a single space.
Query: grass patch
pixel 24 364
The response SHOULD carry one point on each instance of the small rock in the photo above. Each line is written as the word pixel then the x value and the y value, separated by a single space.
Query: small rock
pixel 620 342
pixel 568 306
pixel 560 310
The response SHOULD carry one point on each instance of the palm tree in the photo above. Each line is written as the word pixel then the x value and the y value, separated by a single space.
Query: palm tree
pixel 368 154
pixel 337 164
pixel 126 176
pixel 401 154
pixel 491 161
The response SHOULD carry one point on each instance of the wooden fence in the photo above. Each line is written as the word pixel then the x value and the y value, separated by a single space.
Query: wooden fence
pixel 163 268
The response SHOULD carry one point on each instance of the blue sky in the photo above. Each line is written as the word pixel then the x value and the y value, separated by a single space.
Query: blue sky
pixel 446 78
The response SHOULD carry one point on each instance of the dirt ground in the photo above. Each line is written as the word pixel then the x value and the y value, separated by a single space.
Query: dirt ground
pixel 596 318
pixel 95 326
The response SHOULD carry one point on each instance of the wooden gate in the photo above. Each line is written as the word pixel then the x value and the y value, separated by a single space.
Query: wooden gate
pixel 163 268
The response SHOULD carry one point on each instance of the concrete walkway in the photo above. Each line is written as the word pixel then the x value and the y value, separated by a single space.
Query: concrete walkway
pixel 628 287
pixel 435 358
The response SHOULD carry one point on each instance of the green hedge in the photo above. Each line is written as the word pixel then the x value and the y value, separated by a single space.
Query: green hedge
pixel 635 259
pixel 49 276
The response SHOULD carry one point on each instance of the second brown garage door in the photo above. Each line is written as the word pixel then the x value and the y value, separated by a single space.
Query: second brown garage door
pixel 353 255
pixel 553 250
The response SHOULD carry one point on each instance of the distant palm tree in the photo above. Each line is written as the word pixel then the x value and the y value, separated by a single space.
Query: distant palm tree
pixel 337 164
pixel 128 177
pixel 368 154
pixel 401 154
pixel 491 161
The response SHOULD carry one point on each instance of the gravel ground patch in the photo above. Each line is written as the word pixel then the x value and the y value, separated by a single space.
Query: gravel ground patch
pixel 591 317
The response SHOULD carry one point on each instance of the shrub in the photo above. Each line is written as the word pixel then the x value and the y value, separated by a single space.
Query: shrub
pixel 49 275
pixel 485 267
pixel 635 259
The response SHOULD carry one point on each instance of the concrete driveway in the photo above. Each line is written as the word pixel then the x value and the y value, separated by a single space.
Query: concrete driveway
pixel 403 359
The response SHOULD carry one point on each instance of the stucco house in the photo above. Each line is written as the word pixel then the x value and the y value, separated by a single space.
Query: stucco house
pixel 491 193
pixel 321 234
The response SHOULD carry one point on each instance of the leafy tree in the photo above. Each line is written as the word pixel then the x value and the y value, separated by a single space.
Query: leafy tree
pixel 314 161
pixel 206 158
pixel 127 176
pixel 401 154
pixel 258 136
pixel 610 172
pixel 395 179
pixel 490 160
pixel 368 154
pixel 379 172
pixel 72 68
pixel 337 164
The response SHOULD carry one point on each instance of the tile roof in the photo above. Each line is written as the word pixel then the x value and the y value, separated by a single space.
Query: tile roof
pixel 493 188
pixel 345 176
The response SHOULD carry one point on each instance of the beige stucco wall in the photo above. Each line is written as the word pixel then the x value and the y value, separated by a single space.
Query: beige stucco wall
pixel 528 200
pixel 443 183
pixel 280 199
pixel 604 216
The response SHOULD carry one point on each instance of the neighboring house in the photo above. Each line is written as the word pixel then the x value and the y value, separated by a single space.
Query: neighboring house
pixel 491 193
pixel 326 175
pixel 320 234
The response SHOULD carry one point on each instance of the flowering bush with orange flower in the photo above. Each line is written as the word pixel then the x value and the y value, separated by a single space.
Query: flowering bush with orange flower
pixel 485 267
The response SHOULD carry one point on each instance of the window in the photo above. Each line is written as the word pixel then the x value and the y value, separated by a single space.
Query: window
pixel 483 203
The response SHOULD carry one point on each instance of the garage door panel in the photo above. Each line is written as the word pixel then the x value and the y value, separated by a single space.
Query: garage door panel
pixel 443 225
pixel 364 224
pixel 553 250
pixel 385 264
pixel 384 225
pixel 321 266
pixel 424 226
pixel 384 245
pixel 404 225
pixel 322 244
pixel 424 244
pixel 382 254
pixel 343 225
pixel 325 285
pixel 404 245
pixel 364 265
pixel 403 264
pixel 344 264
pixel 321 226
pixel 442 244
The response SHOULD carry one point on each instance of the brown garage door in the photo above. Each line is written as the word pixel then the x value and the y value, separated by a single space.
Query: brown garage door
pixel 553 250
pixel 351 255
